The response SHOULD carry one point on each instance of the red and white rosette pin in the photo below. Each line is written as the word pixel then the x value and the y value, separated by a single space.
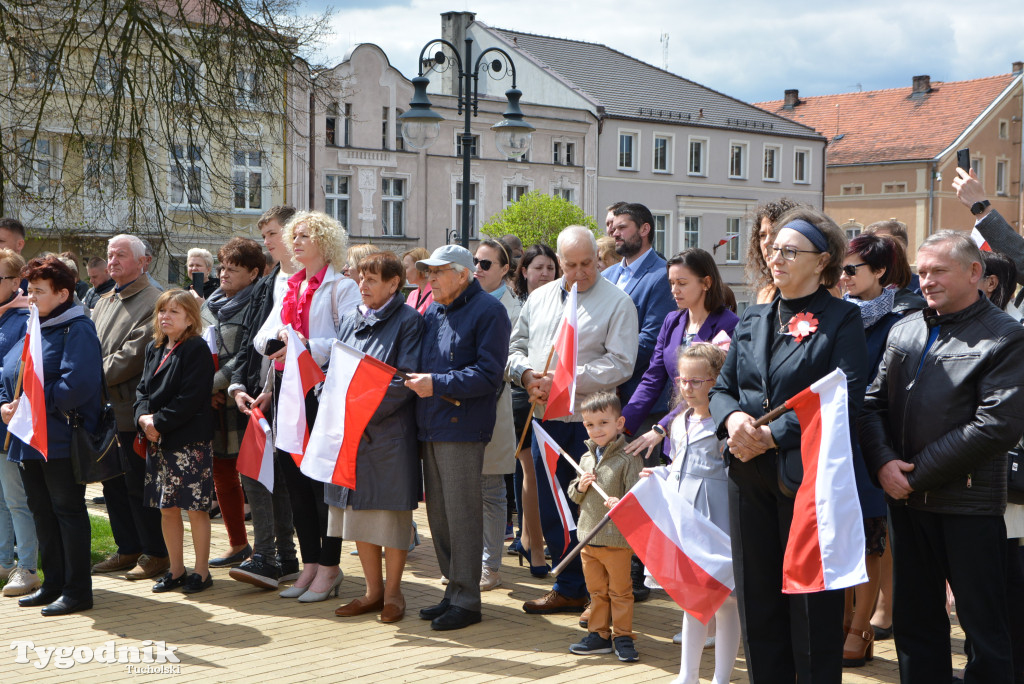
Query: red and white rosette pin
pixel 802 325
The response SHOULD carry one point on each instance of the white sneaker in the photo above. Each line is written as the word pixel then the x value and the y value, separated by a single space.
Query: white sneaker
pixel 21 582
pixel 709 642
pixel 489 579
pixel 6 571
pixel 678 638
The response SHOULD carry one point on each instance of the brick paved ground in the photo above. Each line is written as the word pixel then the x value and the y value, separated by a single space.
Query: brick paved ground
pixel 234 632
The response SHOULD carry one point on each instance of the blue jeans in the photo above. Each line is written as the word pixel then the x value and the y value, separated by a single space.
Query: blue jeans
pixel 493 489
pixel 16 518
pixel 570 436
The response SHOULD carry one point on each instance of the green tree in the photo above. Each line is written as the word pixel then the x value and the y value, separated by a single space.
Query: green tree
pixel 537 217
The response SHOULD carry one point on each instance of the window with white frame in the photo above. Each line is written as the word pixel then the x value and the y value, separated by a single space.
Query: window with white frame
pixel 347 138
pixel 662 154
pixel 570 154
pixel 108 73
pixel 737 160
pixel 186 175
pixel 247 85
pixel 563 153
pixel 35 169
pixel 393 208
pixel 628 150
pixel 473 187
pixel 564 193
pixel 660 229
pixel 336 197
pixel 514 193
pixel 852 229
pixel 770 169
pixel 385 121
pixel 977 164
pixel 691 232
pixel 732 240
pixel 697 164
pixel 1002 182
pixel 474 146
pixel 801 165
pixel 99 167
pixel 247 179
pixel 556 152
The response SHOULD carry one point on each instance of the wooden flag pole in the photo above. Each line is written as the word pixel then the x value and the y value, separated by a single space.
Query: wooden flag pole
pixel 576 466
pixel 771 415
pixel 17 393
pixel 533 405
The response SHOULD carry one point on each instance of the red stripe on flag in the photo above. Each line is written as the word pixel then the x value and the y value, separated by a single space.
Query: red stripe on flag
pixel 689 585
pixel 255 460
pixel 562 385
pixel 36 397
pixel 804 569
pixel 366 390
pixel 551 465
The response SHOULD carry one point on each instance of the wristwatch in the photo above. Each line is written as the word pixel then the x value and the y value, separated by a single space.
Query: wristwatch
pixel 657 428
pixel 980 207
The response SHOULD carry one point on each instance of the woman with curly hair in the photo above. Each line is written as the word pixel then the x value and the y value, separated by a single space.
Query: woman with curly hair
pixel 317 298
pixel 759 275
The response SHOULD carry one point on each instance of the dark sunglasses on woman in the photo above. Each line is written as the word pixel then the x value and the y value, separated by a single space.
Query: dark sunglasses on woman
pixel 483 264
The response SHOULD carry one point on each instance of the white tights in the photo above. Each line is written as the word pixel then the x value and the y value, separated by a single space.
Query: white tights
pixel 727 644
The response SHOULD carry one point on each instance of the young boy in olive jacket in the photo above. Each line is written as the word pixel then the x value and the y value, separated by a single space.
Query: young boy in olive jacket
pixel 606 559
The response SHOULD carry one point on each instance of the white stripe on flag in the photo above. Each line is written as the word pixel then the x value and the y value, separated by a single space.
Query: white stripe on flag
pixel 327 436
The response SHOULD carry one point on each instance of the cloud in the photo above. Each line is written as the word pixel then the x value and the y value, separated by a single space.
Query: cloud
pixel 749 49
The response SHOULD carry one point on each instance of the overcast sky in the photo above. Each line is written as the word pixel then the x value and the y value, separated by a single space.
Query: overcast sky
pixel 749 49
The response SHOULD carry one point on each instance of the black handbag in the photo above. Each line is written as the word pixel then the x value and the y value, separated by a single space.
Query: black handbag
pixel 96 456
pixel 1015 474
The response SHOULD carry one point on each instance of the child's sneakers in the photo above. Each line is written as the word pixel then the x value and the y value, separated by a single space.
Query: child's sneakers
pixel 625 649
pixel 593 644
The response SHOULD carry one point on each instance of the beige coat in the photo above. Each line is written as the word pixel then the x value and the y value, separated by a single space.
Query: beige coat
pixel 124 323
pixel 616 474
pixel 500 452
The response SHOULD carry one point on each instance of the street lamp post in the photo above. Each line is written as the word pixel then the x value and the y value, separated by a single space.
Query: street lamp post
pixel 421 124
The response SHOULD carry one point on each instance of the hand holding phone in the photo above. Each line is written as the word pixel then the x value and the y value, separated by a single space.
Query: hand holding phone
pixel 198 279
pixel 963 159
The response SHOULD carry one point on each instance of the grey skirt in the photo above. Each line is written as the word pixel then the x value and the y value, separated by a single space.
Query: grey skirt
pixel 382 528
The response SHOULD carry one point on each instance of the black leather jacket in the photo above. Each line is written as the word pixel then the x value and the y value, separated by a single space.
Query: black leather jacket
pixel 957 416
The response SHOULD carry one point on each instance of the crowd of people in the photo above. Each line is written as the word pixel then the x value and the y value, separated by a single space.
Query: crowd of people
pixel 670 382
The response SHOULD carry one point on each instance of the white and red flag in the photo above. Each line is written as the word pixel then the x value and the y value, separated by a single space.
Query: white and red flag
pixel 980 240
pixel 256 454
pixel 301 374
pixel 210 337
pixel 29 420
pixel 356 384
pixel 561 398
pixel 549 451
pixel 826 538
pixel 689 556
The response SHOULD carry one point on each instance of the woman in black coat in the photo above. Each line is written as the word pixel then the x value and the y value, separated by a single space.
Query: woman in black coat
pixel 174 414
pixel 787 637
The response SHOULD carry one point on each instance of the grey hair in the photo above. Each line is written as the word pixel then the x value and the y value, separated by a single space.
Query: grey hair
pixel 458 268
pixel 574 235
pixel 137 246
pixel 203 254
pixel 961 247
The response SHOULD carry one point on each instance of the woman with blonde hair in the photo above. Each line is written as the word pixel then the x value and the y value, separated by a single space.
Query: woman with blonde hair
pixel 354 255
pixel 173 413
pixel 317 298
pixel 423 296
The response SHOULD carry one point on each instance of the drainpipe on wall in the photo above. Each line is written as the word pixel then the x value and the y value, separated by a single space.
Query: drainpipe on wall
pixel 931 200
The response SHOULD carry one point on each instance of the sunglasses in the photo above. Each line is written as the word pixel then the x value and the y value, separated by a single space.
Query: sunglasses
pixel 483 264
pixel 851 269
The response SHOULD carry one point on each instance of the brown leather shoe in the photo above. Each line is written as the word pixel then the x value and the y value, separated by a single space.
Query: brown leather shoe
pixel 393 612
pixel 585 616
pixel 863 651
pixel 359 606
pixel 116 562
pixel 149 566
pixel 553 602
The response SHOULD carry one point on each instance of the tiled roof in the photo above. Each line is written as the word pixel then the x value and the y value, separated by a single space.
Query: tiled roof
pixel 893 125
pixel 629 88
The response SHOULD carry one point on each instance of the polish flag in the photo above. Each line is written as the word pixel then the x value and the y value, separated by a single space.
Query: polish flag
pixel 301 374
pixel 562 397
pixel 356 384
pixel 210 337
pixel 549 457
pixel 689 556
pixel 29 420
pixel 826 538
pixel 980 240
pixel 256 454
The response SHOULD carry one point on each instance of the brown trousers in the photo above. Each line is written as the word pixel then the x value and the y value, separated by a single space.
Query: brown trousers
pixel 606 569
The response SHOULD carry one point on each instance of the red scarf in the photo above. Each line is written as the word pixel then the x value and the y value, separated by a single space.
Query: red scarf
pixel 295 309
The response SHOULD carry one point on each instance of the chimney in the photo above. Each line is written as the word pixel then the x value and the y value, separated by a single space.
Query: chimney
pixel 454 27
pixel 1017 68
pixel 922 85
pixel 792 99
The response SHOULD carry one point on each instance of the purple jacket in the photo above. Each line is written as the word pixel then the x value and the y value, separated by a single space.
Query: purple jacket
pixel 665 363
